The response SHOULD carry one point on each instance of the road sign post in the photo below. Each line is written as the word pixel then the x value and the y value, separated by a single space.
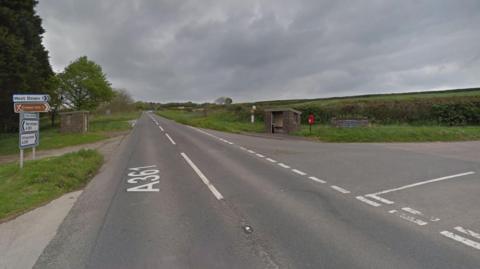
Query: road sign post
pixel 252 116
pixel 29 106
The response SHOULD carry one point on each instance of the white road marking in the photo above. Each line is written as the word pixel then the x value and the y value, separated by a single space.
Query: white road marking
pixel 383 200
pixel 299 172
pixel 251 151
pixel 408 217
pixel 461 239
pixel 424 182
pixel 260 155
pixel 169 138
pixel 161 128
pixel 412 211
pixel 271 160
pixel 205 180
pixel 339 189
pixel 242 148
pixel 284 165
pixel 365 200
pixel 317 180
pixel 468 232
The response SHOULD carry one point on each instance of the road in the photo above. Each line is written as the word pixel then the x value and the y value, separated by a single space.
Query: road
pixel 182 197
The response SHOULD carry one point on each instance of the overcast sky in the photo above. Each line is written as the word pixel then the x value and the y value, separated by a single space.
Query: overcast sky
pixel 174 50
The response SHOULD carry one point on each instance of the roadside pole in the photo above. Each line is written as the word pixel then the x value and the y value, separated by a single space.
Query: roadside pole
pixel 252 111
pixel 33 153
pixel 21 158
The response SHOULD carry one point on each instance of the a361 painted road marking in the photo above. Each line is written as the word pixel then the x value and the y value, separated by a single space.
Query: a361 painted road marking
pixel 145 177
pixel 340 189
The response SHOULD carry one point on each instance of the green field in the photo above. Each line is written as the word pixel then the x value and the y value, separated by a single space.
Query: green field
pixel 391 133
pixel 43 180
pixel 217 120
pixel 223 120
pixel 101 127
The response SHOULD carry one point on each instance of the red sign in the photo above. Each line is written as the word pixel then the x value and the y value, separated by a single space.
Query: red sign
pixel 40 107
pixel 311 119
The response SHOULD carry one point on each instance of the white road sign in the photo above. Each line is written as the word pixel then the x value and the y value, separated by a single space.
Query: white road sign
pixel 31 98
pixel 30 126
pixel 30 116
pixel 28 140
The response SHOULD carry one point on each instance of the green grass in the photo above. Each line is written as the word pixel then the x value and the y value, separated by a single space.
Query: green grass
pixel 51 138
pixel 392 133
pixel 43 180
pixel 221 121
pixel 226 121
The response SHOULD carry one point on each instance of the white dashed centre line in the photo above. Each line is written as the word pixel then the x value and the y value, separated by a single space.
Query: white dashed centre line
pixel 284 165
pixel 271 160
pixel 299 172
pixel 251 151
pixel 160 127
pixel 169 138
pixel 205 180
pixel 339 189
pixel 260 155
pixel 317 180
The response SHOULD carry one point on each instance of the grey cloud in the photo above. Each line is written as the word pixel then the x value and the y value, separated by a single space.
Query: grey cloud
pixel 254 50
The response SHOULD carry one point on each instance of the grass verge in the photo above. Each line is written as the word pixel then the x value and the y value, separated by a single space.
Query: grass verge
pixel 43 180
pixel 392 133
pixel 100 127
pixel 221 121
pixel 228 122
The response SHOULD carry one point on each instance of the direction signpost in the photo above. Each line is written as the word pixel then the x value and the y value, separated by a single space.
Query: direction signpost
pixel 29 106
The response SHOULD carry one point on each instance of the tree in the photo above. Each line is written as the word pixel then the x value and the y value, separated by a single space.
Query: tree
pixel 83 85
pixel 24 66
pixel 223 100
pixel 122 101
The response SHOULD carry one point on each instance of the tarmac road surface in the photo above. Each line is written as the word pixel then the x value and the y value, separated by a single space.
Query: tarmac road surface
pixel 182 197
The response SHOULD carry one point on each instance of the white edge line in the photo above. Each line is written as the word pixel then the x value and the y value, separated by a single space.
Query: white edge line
pixel 205 180
pixel 299 172
pixel 317 179
pixel 461 239
pixel 339 189
pixel 171 140
pixel 369 202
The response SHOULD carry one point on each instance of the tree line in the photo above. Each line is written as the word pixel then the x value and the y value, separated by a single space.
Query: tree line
pixel 24 68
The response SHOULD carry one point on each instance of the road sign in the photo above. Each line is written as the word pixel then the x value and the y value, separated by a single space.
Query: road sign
pixel 30 116
pixel 31 107
pixel 30 126
pixel 31 98
pixel 28 140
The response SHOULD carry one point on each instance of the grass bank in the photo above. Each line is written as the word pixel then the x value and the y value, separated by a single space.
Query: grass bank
pixel 43 180
pixel 392 133
pixel 226 121
pixel 50 138
pixel 216 120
